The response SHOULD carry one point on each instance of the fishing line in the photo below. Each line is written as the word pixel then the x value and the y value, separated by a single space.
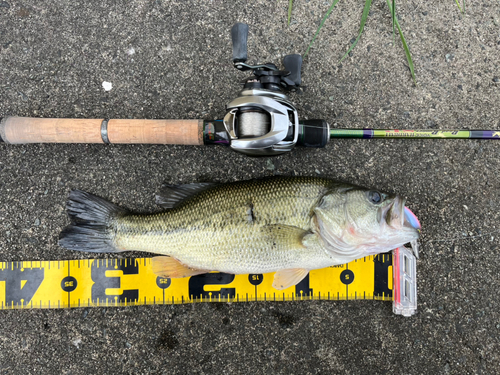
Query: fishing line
pixel 464 238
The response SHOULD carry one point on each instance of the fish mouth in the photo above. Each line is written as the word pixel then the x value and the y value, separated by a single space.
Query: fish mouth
pixel 397 215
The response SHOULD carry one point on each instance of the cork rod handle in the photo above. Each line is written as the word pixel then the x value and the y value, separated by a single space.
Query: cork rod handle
pixel 19 130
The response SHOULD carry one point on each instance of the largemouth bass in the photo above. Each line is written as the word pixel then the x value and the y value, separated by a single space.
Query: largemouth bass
pixel 287 225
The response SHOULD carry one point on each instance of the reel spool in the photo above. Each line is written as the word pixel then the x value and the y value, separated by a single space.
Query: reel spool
pixel 261 120
pixel 252 123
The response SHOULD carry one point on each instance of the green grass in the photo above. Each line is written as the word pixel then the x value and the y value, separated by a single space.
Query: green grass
pixel 405 46
pixel 395 25
pixel 463 6
pixel 321 25
pixel 364 17
pixel 393 15
pixel 366 10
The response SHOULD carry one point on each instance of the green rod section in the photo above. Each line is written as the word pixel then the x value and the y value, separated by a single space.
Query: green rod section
pixel 405 134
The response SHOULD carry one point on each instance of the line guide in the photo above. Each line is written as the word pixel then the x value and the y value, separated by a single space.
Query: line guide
pixel 131 282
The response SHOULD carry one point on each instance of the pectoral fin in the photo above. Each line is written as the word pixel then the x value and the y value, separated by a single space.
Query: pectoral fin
pixel 286 278
pixel 171 268
pixel 286 235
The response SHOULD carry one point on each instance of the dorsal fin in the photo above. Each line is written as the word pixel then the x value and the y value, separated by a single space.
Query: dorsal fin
pixel 171 196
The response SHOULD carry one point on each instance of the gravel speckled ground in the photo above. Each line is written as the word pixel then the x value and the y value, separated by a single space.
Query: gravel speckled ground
pixel 172 59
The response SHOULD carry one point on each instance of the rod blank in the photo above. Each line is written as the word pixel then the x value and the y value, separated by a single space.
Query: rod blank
pixel 414 134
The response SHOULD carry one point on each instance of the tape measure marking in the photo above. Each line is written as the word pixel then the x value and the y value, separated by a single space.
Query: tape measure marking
pixel 131 282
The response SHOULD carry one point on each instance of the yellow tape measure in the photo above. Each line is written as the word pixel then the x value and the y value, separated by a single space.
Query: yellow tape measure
pixel 131 282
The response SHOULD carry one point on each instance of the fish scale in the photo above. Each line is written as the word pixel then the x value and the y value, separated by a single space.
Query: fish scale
pixel 216 221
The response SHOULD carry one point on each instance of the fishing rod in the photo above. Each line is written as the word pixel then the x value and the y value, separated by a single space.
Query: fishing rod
pixel 260 121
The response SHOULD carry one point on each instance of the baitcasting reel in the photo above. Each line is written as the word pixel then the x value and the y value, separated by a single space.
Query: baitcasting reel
pixel 261 120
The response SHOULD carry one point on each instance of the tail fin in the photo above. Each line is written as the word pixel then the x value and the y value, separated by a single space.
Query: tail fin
pixel 91 219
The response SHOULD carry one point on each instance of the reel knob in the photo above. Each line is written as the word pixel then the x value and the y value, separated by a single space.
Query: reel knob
pixel 293 63
pixel 239 35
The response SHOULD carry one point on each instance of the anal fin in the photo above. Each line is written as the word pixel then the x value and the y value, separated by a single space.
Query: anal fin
pixel 286 278
pixel 169 267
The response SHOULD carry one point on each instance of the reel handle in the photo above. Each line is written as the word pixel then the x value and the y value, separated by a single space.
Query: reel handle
pixel 293 63
pixel 239 35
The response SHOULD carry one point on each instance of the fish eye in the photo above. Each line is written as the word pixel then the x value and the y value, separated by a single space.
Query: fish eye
pixel 374 197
